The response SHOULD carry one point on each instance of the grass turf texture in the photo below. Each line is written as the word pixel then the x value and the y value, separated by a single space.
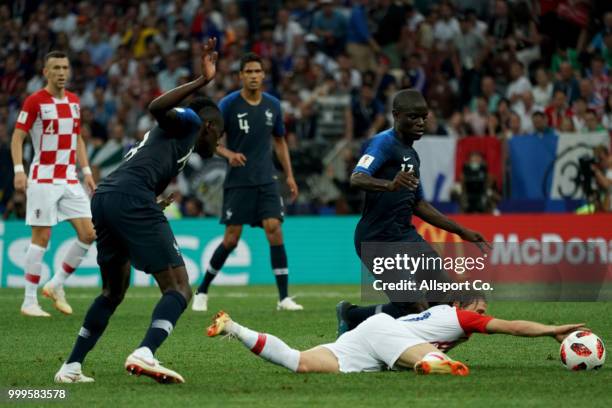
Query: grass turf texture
pixel 505 371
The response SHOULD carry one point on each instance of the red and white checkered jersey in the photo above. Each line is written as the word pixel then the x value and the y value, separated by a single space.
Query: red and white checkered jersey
pixel 53 125
pixel 445 326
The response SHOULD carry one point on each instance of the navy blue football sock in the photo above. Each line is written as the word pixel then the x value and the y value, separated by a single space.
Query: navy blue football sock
pixel 165 315
pixel 94 324
pixel 216 263
pixel 357 314
pixel 278 258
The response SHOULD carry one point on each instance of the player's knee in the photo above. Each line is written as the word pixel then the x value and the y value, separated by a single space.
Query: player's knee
pixel 230 241
pixel 273 229
pixel 87 237
pixel 303 367
pixel 114 297
pixel 183 290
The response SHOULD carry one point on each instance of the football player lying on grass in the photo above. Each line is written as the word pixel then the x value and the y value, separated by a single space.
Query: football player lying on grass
pixel 416 341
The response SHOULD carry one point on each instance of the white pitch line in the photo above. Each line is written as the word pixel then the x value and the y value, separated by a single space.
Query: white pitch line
pixel 224 295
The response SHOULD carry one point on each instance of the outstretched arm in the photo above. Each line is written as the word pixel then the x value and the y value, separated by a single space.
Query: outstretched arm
pixel 429 214
pixel 526 328
pixel 163 103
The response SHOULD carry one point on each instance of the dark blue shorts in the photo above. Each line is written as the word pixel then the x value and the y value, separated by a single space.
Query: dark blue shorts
pixel 131 228
pixel 252 205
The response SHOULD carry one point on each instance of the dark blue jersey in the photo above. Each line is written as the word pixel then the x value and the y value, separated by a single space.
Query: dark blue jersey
pixel 149 166
pixel 387 216
pixel 249 130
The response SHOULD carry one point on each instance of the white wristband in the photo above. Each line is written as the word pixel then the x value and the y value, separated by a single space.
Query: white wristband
pixel 86 170
pixel 19 168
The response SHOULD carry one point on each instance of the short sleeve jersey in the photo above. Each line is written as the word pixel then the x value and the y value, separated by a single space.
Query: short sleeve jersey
pixel 53 125
pixel 387 216
pixel 445 326
pixel 148 167
pixel 249 129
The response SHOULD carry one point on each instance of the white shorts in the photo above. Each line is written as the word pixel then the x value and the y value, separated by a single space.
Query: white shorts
pixel 374 345
pixel 48 204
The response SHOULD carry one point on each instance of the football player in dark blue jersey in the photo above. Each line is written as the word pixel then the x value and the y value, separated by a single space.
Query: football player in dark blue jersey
pixel 388 172
pixel 132 229
pixel 253 127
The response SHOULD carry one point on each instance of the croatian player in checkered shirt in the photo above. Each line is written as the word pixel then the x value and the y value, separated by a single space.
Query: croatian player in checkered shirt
pixel 51 117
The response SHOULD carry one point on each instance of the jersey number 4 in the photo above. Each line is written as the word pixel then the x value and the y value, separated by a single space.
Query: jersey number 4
pixel 135 149
pixel 243 124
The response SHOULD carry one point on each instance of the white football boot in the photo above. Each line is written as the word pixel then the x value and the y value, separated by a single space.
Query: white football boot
pixel 142 362
pixel 71 373
pixel 288 304
pixel 57 294
pixel 33 310
pixel 200 302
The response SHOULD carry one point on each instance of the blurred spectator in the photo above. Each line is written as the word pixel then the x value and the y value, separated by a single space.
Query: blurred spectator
pixel 593 100
pixel 15 207
pixel 526 35
pixel 488 94
pixel 478 118
pixel 389 26
pixel 602 169
pixel 540 126
pixel 606 120
pixel 415 73
pixel 525 108
pixel 433 127
pixel 519 83
pixel 10 77
pixel 500 25
pixel 100 51
pixel 558 109
pixel 597 43
pixel 579 111
pixel 515 127
pixel 474 192
pixel 6 167
pixel 599 76
pixel 469 45
pixel 332 107
pixel 331 27
pixel 591 122
pixel 193 208
pixel 106 157
pixel 447 26
pixel 567 82
pixel 286 31
pixel 79 38
pixel 542 89
pixel 65 21
pixel 457 127
pixel 318 57
pixel 361 46
pixel 169 77
pixel 368 113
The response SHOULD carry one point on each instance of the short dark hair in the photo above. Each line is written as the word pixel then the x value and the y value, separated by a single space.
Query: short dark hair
pixel 250 57
pixel 55 54
pixel 465 297
pixel 207 110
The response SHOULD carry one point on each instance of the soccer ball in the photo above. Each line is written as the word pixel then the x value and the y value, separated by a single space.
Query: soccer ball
pixel 582 350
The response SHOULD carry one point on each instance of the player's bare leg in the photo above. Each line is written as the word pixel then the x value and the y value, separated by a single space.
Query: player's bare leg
pixel 427 359
pixel 231 237
pixel 176 294
pixel 278 258
pixel 273 349
pixel 32 269
pixel 115 282
pixel 54 289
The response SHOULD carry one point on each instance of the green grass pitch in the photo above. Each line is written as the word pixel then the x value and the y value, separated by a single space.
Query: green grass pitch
pixel 505 371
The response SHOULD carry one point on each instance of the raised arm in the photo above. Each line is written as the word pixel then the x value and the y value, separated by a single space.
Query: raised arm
pixel 163 103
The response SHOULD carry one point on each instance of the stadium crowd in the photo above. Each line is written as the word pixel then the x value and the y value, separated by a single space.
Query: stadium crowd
pixel 496 67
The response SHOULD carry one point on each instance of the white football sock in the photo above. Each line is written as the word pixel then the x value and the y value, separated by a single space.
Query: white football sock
pixel 33 266
pixel 72 260
pixel 267 346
